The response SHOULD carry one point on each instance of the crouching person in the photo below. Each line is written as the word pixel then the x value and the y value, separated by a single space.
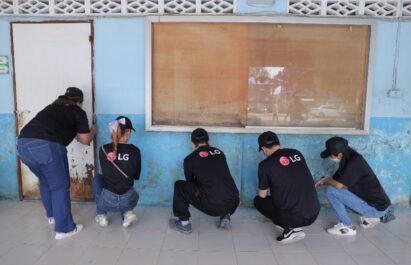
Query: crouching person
pixel 293 203
pixel 121 165
pixel 209 186
pixel 354 185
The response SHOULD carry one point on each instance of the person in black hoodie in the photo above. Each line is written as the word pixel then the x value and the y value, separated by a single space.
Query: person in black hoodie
pixel 354 185
pixel 121 166
pixel 209 185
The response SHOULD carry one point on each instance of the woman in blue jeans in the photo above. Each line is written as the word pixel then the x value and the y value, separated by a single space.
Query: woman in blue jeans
pixel 121 165
pixel 354 185
pixel 42 147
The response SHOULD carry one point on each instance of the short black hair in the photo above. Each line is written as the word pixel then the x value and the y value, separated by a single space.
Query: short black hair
pixel 199 136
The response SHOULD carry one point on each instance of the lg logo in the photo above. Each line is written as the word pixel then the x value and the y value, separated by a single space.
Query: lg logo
pixel 215 152
pixel 285 161
pixel 295 158
pixel 124 157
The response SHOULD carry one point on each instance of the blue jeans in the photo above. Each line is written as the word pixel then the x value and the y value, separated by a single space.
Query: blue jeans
pixel 341 198
pixel 48 161
pixel 107 201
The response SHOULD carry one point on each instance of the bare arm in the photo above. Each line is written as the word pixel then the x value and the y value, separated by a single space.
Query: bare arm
pixel 329 181
pixel 86 138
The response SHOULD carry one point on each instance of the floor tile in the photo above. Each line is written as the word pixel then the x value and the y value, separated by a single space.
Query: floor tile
pixel 372 258
pixel 294 258
pixel 177 241
pixel 253 258
pixel 61 255
pixel 168 257
pixel 217 258
pixel 146 240
pixel 400 257
pixel 99 256
pixel 322 242
pixel 23 254
pixel 216 242
pixel 332 258
pixel 254 242
pixel 138 257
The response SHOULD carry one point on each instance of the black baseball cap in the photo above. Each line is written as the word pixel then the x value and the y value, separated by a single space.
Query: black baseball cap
pixel 334 146
pixel 199 135
pixel 74 92
pixel 267 139
pixel 128 124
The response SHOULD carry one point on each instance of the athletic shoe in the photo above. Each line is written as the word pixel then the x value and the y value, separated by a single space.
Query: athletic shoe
pixel 342 230
pixel 389 215
pixel 291 235
pixel 75 231
pixel 101 220
pixel 225 222
pixel 369 222
pixel 129 218
pixel 178 226
pixel 51 220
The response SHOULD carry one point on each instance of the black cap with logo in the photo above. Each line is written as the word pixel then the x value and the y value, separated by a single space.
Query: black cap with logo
pixel 128 124
pixel 267 139
pixel 334 146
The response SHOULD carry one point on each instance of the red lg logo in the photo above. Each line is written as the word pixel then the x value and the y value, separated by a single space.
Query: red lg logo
pixel 284 161
pixel 203 154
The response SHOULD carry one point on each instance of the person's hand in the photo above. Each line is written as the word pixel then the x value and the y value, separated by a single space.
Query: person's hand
pixel 93 130
pixel 321 182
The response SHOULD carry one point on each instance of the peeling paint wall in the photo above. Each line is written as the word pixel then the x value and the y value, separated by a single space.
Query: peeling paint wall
pixel 163 154
pixel 119 47
pixel 8 162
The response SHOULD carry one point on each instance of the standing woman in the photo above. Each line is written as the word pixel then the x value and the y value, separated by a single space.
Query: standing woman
pixel 354 185
pixel 42 147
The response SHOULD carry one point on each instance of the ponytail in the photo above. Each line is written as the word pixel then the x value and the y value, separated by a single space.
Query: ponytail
pixel 117 130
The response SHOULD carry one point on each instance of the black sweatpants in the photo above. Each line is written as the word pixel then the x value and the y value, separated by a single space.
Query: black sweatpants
pixel 282 218
pixel 185 195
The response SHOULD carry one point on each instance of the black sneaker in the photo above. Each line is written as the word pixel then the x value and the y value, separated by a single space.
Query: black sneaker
pixel 291 235
pixel 225 222
pixel 178 226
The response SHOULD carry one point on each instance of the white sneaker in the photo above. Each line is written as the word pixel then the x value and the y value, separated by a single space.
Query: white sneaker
pixel 369 222
pixel 101 220
pixel 342 230
pixel 51 220
pixel 129 219
pixel 76 230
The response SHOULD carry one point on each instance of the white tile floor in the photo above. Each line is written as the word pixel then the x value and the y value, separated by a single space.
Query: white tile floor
pixel 26 238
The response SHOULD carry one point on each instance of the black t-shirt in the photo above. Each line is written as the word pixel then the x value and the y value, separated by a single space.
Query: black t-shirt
pixel 291 184
pixel 359 178
pixel 207 167
pixel 128 160
pixel 57 123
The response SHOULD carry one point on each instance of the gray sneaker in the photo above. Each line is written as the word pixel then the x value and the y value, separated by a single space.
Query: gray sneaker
pixel 178 226
pixel 225 222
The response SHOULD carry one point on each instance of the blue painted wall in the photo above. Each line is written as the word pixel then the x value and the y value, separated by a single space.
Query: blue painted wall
pixel 119 48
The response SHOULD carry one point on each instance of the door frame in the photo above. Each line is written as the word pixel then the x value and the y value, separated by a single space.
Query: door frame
pixel 91 41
